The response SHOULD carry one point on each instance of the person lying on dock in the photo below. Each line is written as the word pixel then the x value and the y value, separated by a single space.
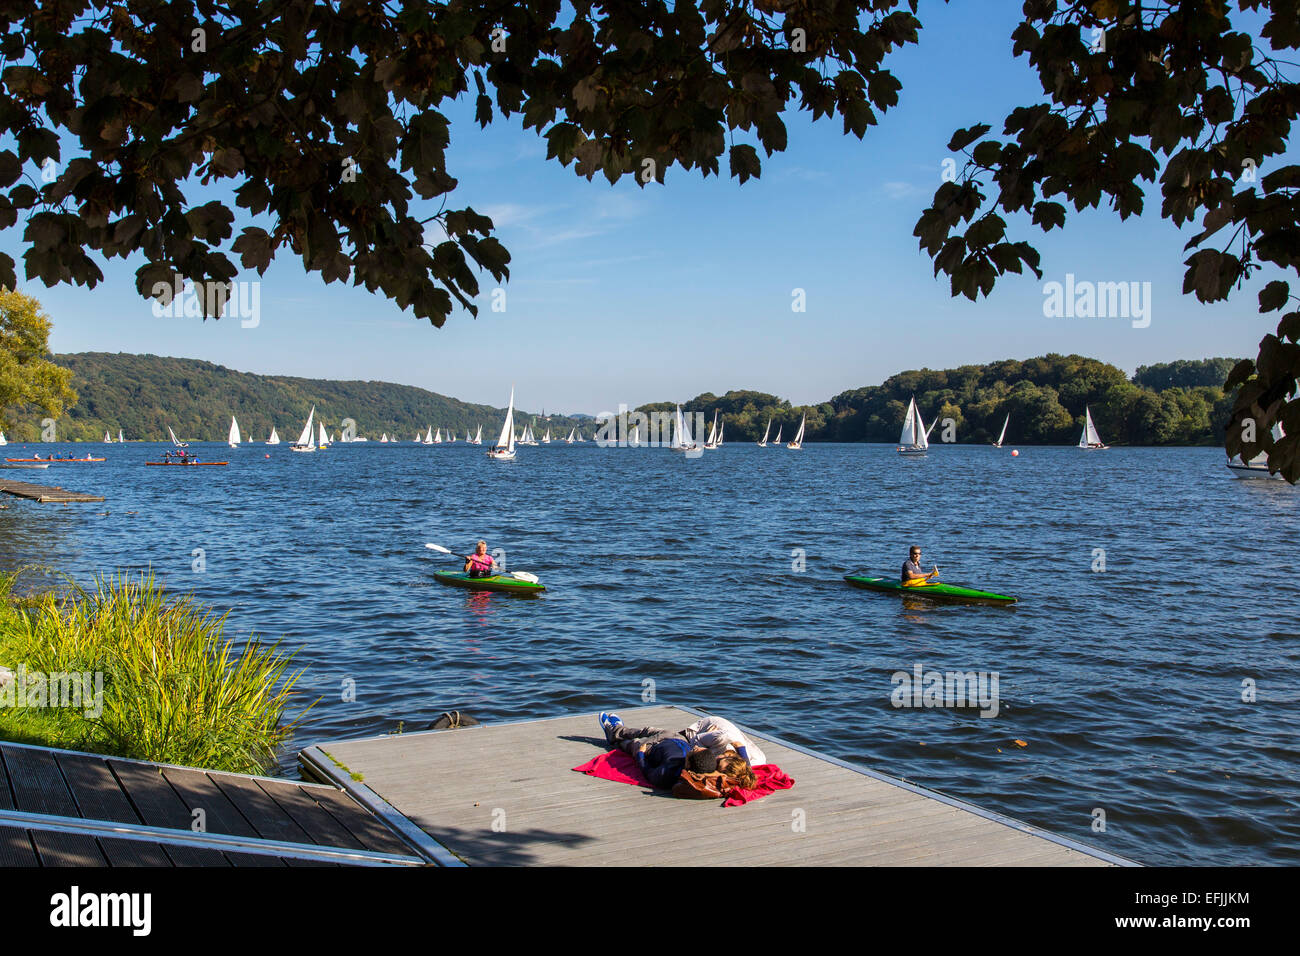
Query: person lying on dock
pixel 718 735
pixel 480 564
pixel 663 755
pixel 912 573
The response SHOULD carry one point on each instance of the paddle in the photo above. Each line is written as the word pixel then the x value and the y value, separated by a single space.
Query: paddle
pixel 520 575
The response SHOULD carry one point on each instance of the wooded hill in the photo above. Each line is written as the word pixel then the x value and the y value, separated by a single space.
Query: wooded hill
pixel 143 394
pixel 1176 403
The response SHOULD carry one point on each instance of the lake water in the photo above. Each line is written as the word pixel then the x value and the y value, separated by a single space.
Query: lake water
pixel 1125 685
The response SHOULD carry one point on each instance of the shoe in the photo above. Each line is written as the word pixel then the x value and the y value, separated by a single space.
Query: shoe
pixel 608 722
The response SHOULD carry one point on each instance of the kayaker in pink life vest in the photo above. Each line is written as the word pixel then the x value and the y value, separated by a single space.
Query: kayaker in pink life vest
pixel 480 563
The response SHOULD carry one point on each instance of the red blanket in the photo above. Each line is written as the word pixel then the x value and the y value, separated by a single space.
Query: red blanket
pixel 617 765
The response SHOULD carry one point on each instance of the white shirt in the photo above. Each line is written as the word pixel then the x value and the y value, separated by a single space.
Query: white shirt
pixel 717 735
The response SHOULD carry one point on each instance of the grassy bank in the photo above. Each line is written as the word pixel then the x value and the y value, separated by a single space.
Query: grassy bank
pixel 158 679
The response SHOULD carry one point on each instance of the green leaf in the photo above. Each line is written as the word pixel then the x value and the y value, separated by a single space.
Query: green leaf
pixel 1273 296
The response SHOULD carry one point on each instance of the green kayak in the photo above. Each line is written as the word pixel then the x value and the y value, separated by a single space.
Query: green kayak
pixel 497 582
pixel 937 592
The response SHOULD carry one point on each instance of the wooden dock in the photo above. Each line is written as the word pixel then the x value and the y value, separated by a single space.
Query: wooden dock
pixel 506 794
pixel 61 808
pixel 46 494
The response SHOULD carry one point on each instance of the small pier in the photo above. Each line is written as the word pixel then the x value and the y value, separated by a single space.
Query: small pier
pixel 62 808
pixel 506 794
pixel 46 494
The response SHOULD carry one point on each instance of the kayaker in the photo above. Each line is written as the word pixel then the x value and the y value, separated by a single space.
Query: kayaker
pixel 912 573
pixel 480 564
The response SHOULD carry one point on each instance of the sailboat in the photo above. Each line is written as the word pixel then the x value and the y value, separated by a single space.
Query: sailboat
pixel 1090 440
pixel 3 440
pixel 451 436
pixel 274 439
pixel 428 437
pixel 777 440
pixel 722 427
pixel 766 431
pixel 546 439
pixel 324 440
pixel 681 440
pixel 176 441
pixel 712 441
pixel 580 438
pixel 437 438
pixel 478 436
pixel 504 450
pixel 798 439
pixel 915 438
pixel 998 443
pixel 569 440
pixel 306 441
pixel 1257 467
pixel 233 438
pixel 383 439
pixel 120 439
pixel 108 438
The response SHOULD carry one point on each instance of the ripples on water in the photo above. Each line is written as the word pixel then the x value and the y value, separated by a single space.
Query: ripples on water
pixel 1126 685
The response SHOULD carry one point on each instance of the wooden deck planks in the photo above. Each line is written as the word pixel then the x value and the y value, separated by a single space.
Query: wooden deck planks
pixel 456 784
pixel 51 494
pixel 38 784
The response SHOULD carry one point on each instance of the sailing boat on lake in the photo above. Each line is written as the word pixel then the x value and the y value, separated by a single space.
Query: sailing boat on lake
pixel 681 440
pixel 274 439
pixel 504 450
pixel 306 441
pixel 766 432
pixel 176 441
pixel 776 442
pixel 798 439
pixel 233 438
pixel 120 439
pixel 1090 440
pixel 324 440
pixel 108 438
pixel 998 443
pixel 915 437
pixel 712 441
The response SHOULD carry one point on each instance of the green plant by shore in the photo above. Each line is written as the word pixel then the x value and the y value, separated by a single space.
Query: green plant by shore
pixel 174 688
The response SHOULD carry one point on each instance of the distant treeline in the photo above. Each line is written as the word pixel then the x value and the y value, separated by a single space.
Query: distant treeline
pixel 143 394
pixel 1177 403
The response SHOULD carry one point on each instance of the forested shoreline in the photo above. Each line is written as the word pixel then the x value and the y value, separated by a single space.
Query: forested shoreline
pixel 1175 403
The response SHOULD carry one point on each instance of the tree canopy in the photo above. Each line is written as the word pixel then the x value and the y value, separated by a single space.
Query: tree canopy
pixel 326 117
pixel 28 379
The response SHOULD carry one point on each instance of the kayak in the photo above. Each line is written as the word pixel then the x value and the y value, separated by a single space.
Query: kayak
pixel 496 582
pixel 935 591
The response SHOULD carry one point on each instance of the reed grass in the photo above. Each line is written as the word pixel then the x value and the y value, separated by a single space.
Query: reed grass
pixel 175 690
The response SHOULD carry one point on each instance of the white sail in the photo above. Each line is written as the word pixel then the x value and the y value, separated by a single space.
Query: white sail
pixel 722 426
pixel 797 443
pixel 636 435
pixel 712 440
pixel 681 440
pixel 176 441
pixel 437 437
pixel 108 438
pixel 233 438
pixel 478 436
pixel 3 440
pixel 505 446
pixel 580 438
pixel 998 443
pixel 274 439
pixel 569 440
pixel 324 437
pixel 546 439
pixel 120 438
pixel 908 436
pixel 766 431
pixel 307 440
pixel 1089 438
pixel 777 440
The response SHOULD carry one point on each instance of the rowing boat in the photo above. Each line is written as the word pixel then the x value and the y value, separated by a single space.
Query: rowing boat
pixel 53 459
pixel 495 582
pixel 186 464
pixel 933 590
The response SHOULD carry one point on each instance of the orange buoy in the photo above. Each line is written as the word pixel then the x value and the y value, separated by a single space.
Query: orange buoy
pixel 1014 453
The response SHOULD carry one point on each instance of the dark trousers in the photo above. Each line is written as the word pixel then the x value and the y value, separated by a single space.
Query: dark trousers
pixel 631 739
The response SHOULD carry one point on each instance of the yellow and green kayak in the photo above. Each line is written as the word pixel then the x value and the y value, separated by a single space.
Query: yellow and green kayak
pixel 934 590
pixel 495 582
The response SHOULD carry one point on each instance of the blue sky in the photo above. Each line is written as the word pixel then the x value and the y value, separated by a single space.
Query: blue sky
pixel 619 294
